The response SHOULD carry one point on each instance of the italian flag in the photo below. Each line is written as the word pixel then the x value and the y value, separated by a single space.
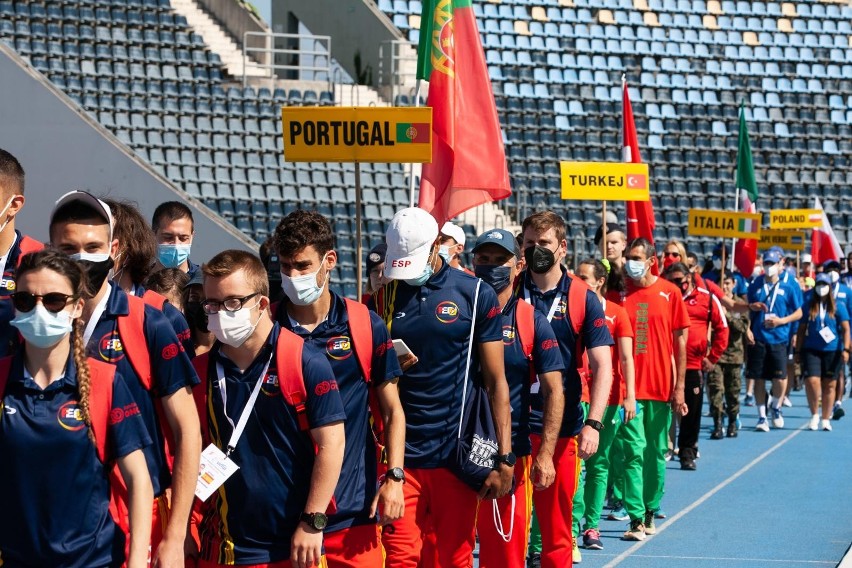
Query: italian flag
pixel 824 243
pixel 748 226
pixel 468 159
pixel 745 250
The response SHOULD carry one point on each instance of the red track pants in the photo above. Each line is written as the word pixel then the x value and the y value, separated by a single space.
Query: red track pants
pixel 553 505
pixel 494 551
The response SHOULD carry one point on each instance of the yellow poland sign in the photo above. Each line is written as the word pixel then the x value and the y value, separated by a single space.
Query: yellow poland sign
pixel 787 240
pixel 605 181
pixel 357 134
pixel 725 224
pixel 795 218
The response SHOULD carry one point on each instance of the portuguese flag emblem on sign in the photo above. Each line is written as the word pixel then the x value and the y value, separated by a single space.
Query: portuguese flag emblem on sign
pixel 413 132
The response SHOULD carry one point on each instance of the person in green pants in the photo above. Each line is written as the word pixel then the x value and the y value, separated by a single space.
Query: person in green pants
pixel 660 322
pixel 623 392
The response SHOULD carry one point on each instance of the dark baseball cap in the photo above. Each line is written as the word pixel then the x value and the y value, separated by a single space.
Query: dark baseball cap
pixel 610 228
pixel 500 237
pixel 376 256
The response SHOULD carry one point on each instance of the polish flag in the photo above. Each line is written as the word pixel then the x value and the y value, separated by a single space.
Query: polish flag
pixel 824 243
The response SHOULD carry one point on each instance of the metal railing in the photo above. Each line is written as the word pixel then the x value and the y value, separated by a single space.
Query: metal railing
pixel 265 47
pixel 395 69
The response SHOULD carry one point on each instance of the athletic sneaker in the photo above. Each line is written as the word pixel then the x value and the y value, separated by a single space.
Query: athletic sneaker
pixel 838 412
pixel 669 455
pixel 619 513
pixel 636 531
pixel 650 529
pixel 762 425
pixel 787 402
pixel 660 514
pixel 576 557
pixel 814 422
pixel 592 539
pixel 738 423
pixel 749 400
pixel 534 561
pixel 826 426
pixel 777 418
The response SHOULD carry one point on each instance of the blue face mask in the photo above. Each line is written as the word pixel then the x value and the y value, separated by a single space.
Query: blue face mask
pixel 41 327
pixel 495 276
pixel 172 256
pixel 423 278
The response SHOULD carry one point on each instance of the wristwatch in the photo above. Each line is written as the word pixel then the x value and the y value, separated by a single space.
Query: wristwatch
pixel 317 521
pixel 396 473
pixel 508 459
pixel 594 424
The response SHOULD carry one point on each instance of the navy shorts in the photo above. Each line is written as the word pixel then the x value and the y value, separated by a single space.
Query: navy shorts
pixel 824 364
pixel 767 361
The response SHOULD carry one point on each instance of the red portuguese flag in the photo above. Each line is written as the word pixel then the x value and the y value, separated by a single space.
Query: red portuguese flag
pixel 468 159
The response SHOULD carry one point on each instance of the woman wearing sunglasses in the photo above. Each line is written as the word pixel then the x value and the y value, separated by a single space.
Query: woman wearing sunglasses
pixel 60 435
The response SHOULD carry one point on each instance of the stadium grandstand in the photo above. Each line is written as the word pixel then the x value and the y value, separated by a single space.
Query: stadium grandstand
pixel 206 116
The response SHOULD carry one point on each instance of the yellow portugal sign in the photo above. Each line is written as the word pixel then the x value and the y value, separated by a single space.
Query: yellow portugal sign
pixel 357 134
pixel 725 224
pixel 787 240
pixel 605 181
pixel 795 218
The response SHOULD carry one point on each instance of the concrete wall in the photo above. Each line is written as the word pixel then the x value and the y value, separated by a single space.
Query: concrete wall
pixel 354 25
pixel 238 19
pixel 61 148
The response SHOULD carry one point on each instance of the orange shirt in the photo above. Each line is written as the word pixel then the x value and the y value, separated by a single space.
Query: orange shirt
pixel 618 324
pixel 655 312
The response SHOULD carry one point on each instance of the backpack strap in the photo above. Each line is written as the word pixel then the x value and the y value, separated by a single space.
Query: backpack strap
pixel 100 403
pixel 577 313
pixel 28 245
pixel 131 328
pixel 361 332
pixel 154 299
pixel 291 378
pixel 5 367
pixel 525 327
pixel 201 363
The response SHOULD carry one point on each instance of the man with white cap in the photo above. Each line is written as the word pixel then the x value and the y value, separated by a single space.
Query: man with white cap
pixel 452 246
pixel 452 325
pixel 140 342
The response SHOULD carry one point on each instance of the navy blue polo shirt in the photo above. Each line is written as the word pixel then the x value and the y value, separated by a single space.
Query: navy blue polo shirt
pixel 357 485
pixel 8 333
pixel 594 333
pixel 252 518
pixel 170 367
pixel 434 321
pixel 54 489
pixel 783 298
pixel 546 358
pixel 192 269
pixel 177 319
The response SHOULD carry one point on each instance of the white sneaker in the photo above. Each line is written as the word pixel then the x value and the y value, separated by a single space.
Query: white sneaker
pixel 814 423
pixel 777 418
pixel 762 425
pixel 787 402
pixel 826 426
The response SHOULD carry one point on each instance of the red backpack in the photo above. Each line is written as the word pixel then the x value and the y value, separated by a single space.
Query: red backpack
pixel 28 245
pixel 100 398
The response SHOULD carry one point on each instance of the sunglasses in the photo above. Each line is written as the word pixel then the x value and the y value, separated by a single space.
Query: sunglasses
pixel 672 254
pixel 53 302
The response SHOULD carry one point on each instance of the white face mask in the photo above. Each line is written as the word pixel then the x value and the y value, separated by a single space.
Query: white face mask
pixel 444 252
pixel 835 276
pixel 772 271
pixel 303 290
pixel 233 328
pixel 717 263
pixel 822 290
pixel 635 269
pixel 758 270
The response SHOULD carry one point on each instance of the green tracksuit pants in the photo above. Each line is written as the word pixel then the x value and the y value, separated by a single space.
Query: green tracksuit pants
pixel 597 469
pixel 645 442
pixel 578 507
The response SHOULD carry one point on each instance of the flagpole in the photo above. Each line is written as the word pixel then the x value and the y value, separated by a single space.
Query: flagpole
pixel 411 166
pixel 734 240
pixel 603 230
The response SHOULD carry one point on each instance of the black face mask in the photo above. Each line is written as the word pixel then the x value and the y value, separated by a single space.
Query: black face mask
pixel 96 273
pixel 495 276
pixel 540 259
pixel 195 316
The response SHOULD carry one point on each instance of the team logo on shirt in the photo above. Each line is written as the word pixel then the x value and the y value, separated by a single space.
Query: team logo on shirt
pixel 325 387
pixel 508 335
pixel 561 308
pixel 549 344
pixel 110 348
pixel 70 416
pixel 447 312
pixel 7 285
pixel 270 386
pixel 339 348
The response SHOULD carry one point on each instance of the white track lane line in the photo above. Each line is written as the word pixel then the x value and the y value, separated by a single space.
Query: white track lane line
pixel 621 557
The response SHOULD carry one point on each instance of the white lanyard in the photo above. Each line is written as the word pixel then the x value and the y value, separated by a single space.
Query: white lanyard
pixel 822 316
pixel 836 290
pixel 96 317
pixel 241 423
pixel 555 305
pixel 774 291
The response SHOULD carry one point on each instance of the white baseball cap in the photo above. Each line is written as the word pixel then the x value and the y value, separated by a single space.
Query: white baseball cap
pixel 410 237
pixel 454 231
pixel 88 199
pixel 806 258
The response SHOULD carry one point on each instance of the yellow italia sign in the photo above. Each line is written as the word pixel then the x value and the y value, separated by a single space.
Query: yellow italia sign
pixel 795 218
pixel 787 240
pixel 725 224
pixel 357 134
pixel 605 181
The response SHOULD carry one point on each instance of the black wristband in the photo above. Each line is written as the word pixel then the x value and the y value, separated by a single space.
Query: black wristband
pixel 594 424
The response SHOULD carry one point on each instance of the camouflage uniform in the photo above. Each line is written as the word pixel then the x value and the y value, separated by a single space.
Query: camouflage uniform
pixel 726 377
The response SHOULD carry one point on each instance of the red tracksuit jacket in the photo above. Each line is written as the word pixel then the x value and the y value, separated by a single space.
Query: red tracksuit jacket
pixel 705 313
